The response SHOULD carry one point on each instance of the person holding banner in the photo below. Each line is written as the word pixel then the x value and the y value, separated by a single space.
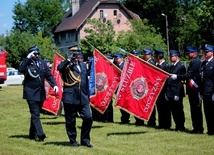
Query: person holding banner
pixel 163 109
pixel 192 78
pixel 36 71
pixel 147 56
pixel 175 91
pixel 207 86
pixel 138 122
pixel 118 60
pixel 75 97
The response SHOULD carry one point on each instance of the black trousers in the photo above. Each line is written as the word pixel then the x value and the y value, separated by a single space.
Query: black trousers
pixel 108 115
pixel 70 122
pixel 35 123
pixel 196 111
pixel 124 117
pixel 209 113
pixel 177 110
pixel 164 113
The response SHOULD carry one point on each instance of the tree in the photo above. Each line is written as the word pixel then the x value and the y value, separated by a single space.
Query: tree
pixel 17 45
pixel 100 35
pixel 141 36
pixel 38 15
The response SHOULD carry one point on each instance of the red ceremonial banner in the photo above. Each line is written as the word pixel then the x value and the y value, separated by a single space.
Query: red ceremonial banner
pixel 139 87
pixel 53 101
pixel 107 77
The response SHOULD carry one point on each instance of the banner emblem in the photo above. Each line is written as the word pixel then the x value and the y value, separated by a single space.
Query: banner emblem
pixel 139 88
pixel 101 81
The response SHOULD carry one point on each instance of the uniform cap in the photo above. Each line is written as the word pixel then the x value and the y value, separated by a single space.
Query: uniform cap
pixel 147 51
pixel 190 49
pixel 135 52
pixel 47 60
pixel 158 52
pixel 74 48
pixel 35 49
pixel 174 53
pixel 118 55
pixel 109 56
pixel 208 48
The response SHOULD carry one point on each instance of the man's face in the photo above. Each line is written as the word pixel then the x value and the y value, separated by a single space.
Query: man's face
pixel 208 54
pixel 118 60
pixel 173 58
pixel 147 56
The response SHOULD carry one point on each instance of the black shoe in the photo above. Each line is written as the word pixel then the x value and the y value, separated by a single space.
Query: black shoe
pixel 180 129
pixel 40 138
pixel 74 145
pixel 210 133
pixel 87 144
pixel 194 131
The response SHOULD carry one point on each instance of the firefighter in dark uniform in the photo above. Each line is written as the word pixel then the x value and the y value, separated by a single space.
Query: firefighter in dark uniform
pixel 192 78
pixel 118 60
pixel 76 97
pixel 207 87
pixel 138 122
pixel 147 56
pixel 163 109
pixel 35 71
pixel 175 91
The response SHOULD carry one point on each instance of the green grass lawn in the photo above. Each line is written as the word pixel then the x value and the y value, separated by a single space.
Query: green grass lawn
pixel 107 138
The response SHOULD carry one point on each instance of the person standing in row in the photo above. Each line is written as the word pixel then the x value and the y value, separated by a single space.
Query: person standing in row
pixel 175 91
pixel 35 71
pixel 76 97
pixel 163 108
pixel 147 56
pixel 118 60
pixel 207 87
pixel 192 78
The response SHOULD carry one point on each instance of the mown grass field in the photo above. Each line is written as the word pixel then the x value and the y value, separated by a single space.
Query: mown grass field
pixel 107 138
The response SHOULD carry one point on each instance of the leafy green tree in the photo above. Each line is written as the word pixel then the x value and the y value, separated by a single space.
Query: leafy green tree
pixel 141 36
pixel 99 35
pixel 38 15
pixel 17 45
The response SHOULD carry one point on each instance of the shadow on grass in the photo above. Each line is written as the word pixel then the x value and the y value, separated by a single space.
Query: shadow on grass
pixel 66 143
pixel 93 127
pixel 125 133
pixel 19 136
pixel 53 123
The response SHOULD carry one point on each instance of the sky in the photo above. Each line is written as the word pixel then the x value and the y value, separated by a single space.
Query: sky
pixel 6 13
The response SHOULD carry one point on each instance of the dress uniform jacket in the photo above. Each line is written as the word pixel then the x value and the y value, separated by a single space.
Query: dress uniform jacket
pixel 79 92
pixel 207 90
pixel 175 87
pixel 34 89
pixel 195 105
pixel 207 77
pixel 192 73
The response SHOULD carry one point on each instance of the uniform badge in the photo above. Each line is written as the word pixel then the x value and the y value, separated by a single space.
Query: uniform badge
pixel 101 81
pixel 139 88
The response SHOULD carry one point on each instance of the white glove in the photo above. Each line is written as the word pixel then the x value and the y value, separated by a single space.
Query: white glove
pixel 173 77
pixel 56 89
pixel 213 97
pixel 176 98
pixel 166 97
pixel 201 97
pixel 30 55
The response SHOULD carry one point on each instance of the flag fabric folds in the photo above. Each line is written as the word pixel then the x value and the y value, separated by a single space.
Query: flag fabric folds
pixel 107 77
pixel 52 103
pixel 139 87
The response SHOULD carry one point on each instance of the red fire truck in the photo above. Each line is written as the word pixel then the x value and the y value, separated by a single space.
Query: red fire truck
pixel 3 65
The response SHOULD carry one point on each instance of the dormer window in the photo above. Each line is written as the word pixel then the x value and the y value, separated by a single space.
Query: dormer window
pixel 101 14
pixel 115 14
